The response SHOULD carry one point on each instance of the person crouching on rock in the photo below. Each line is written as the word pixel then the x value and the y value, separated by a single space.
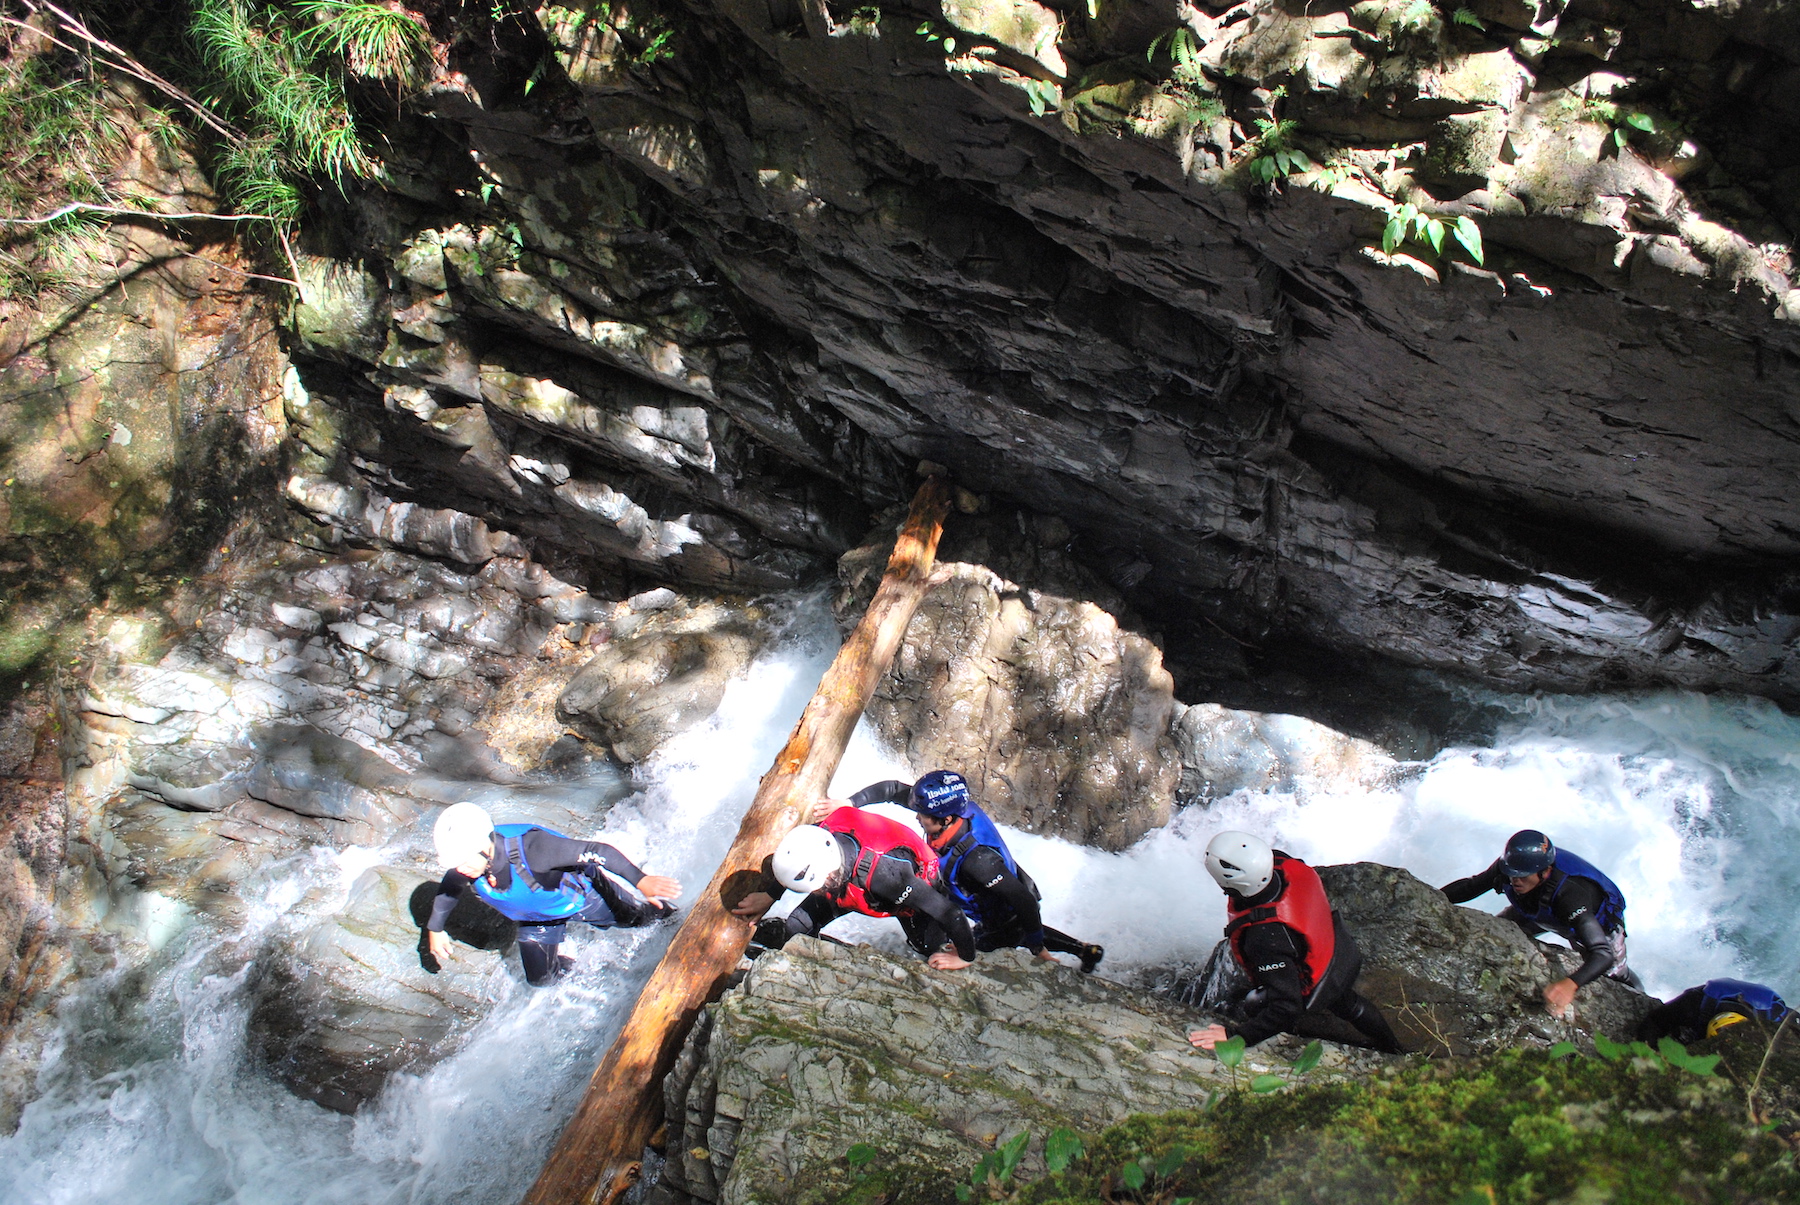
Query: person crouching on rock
pixel 1283 932
pixel 542 880
pixel 1701 1012
pixel 1553 891
pixel 976 869
pixel 855 861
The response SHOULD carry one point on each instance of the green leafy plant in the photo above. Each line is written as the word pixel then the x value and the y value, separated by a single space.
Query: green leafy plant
pixel 1625 123
pixel 1408 223
pixel 1042 95
pixel 1274 156
pixel 1062 1147
pixel 1187 82
pixel 940 36
pixel 1183 48
pixel 1668 1053
pixel 989 1179
pixel 1230 1054
pixel 1154 1171
pixel 1466 16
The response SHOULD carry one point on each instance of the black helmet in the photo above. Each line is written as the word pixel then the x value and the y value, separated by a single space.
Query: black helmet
pixel 942 794
pixel 1527 853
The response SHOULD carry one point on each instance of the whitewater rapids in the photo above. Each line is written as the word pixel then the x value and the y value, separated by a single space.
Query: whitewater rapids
pixel 1692 804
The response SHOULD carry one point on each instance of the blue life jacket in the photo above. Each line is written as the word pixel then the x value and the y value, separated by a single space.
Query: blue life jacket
pixel 1738 994
pixel 1612 910
pixel 980 831
pixel 524 899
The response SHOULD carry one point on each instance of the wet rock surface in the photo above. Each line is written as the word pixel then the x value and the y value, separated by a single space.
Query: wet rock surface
pixel 664 667
pixel 1056 714
pixel 823 1046
pixel 826 1046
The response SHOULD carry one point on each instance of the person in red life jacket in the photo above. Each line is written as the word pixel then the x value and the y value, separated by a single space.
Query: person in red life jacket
pixel 1553 891
pixel 855 861
pixel 542 880
pixel 1701 1012
pixel 1283 932
pixel 976 869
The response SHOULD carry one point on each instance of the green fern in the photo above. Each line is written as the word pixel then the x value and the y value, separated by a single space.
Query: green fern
pixel 1184 52
pixel 1466 16
pixel 1276 157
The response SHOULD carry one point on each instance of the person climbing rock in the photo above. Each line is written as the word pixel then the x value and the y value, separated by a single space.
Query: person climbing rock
pixel 541 879
pixel 977 870
pixel 855 861
pixel 1297 954
pixel 1554 891
pixel 1701 1012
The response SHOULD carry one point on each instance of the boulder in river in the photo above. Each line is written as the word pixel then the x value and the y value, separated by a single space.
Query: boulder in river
pixel 350 1001
pixel 664 669
pixel 1056 713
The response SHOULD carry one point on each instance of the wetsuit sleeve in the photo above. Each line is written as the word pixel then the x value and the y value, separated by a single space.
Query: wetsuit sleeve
pixel 983 873
pixel 1577 908
pixel 889 791
pixel 811 915
pixel 1464 890
pixel 547 852
pixel 1273 963
pixel 894 886
pixel 1687 1011
pixel 444 902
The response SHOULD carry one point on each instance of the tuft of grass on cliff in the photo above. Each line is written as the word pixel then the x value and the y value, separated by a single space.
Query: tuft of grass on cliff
pixel 1513 1129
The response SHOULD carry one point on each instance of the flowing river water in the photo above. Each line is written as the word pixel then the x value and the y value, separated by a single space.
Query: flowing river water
pixel 150 1095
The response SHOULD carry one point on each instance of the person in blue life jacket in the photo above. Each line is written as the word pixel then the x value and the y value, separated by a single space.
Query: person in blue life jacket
pixel 978 872
pixel 542 880
pixel 1717 1004
pixel 1553 891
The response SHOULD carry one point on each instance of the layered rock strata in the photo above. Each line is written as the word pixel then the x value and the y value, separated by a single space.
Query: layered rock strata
pixel 1039 261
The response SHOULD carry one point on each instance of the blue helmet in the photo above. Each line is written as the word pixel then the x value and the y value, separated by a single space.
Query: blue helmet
pixel 1527 853
pixel 942 794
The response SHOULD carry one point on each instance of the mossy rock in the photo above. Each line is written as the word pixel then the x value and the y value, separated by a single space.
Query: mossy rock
pixel 1517 1127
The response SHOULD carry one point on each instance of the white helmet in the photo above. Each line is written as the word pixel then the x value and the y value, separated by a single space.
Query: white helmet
pixel 807 858
pixel 1239 862
pixel 461 834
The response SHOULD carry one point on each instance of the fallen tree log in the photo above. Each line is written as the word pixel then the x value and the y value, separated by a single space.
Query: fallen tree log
pixel 598 1155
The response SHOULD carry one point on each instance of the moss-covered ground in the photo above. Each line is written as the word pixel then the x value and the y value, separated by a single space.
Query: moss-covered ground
pixel 1515 1128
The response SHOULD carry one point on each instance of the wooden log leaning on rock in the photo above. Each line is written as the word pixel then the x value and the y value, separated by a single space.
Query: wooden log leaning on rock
pixel 597 1157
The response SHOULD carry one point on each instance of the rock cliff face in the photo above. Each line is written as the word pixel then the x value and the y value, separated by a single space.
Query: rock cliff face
pixel 691 312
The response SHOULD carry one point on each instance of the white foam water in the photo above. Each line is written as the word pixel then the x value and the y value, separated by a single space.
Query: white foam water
pixel 1691 803
pixel 150 1094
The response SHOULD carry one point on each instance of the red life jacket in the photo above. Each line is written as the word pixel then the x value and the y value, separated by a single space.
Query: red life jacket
pixel 1302 907
pixel 875 836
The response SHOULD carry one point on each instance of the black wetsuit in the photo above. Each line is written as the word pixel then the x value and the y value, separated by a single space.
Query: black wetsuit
pixel 929 918
pixel 1272 958
pixel 1577 911
pixel 552 857
pixel 1009 901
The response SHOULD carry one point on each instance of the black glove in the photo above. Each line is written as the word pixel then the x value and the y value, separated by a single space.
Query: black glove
pixel 771 932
